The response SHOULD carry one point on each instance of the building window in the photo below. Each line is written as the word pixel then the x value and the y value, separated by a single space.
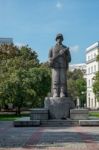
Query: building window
pixel 91 56
pixel 94 68
pixel 89 82
pixel 92 81
pixel 94 55
pixel 92 102
pixel 89 101
pixel 87 71
pixel 91 69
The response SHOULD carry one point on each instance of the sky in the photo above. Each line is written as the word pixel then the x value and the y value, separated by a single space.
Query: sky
pixel 36 23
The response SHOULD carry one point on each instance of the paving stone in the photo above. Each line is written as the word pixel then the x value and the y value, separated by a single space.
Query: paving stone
pixel 49 138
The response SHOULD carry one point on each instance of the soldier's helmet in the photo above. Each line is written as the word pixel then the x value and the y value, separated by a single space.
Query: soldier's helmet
pixel 59 35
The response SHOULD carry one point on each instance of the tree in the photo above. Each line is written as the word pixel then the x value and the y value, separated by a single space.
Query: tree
pixel 72 88
pixel 81 90
pixel 14 89
pixel 97 58
pixel 96 81
pixel 77 85
pixel 41 83
pixel 96 85
pixel 22 79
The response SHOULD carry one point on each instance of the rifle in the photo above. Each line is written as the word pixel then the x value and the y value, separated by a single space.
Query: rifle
pixel 61 52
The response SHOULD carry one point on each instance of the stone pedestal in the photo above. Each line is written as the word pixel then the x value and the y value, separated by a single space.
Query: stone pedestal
pixel 79 114
pixel 59 108
pixel 39 114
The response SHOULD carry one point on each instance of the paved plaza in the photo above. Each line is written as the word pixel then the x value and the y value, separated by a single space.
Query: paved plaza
pixel 48 138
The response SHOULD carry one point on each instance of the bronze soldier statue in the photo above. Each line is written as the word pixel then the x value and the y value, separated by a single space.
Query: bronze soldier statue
pixel 59 58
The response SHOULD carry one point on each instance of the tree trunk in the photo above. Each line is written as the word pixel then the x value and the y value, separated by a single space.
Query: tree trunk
pixel 18 110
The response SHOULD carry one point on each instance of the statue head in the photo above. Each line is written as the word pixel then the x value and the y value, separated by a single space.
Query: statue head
pixel 59 36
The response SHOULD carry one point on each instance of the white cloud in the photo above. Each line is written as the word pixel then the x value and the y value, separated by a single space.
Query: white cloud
pixel 59 5
pixel 75 48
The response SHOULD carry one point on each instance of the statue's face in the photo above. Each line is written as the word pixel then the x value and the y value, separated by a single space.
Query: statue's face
pixel 59 40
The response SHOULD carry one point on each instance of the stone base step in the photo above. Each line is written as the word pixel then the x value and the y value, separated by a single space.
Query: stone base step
pixel 26 122
pixel 59 123
pixel 89 122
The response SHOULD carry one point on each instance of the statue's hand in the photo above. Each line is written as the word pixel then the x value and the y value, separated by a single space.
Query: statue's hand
pixel 61 52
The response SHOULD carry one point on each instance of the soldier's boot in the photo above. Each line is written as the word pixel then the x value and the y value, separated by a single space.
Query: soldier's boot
pixel 55 92
pixel 62 92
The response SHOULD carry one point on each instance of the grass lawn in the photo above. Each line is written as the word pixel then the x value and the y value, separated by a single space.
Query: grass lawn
pixel 10 117
pixel 94 114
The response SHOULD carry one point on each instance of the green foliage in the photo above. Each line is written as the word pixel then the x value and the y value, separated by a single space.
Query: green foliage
pixel 81 89
pixel 41 83
pixel 45 65
pixel 22 79
pixel 11 117
pixel 76 74
pixel 81 86
pixel 77 85
pixel 96 85
pixel 72 88
pixel 94 114
pixel 97 58
pixel 96 81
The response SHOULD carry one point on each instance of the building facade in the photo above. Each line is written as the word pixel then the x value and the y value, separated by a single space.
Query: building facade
pixel 6 41
pixel 92 66
pixel 81 66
